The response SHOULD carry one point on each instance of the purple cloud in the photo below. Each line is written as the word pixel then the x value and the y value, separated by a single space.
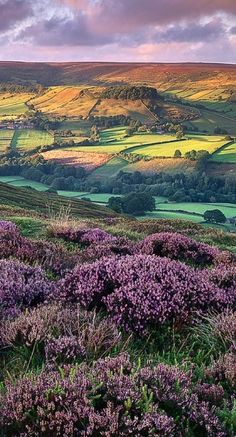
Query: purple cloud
pixel 13 12
pixel 138 29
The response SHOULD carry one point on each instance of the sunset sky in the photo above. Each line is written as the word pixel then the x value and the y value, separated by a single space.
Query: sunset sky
pixel 118 30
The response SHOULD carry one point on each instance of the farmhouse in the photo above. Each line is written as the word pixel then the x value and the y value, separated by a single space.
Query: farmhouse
pixel 16 124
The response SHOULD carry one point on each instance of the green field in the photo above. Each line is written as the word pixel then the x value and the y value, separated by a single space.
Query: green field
pixel 111 168
pixel 13 105
pixel 228 209
pixel 27 139
pixel 26 183
pixel 5 139
pixel 211 144
pixel 226 155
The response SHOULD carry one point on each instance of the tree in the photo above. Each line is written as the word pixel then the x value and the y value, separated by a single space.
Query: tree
pixel 115 204
pixel 214 216
pixel 177 154
pixel 179 135
pixel 137 203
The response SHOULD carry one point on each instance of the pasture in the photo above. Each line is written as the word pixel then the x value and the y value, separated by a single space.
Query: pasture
pixel 226 155
pixel 111 168
pixel 65 101
pixel 13 105
pixel 26 139
pixel 5 139
pixel 167 149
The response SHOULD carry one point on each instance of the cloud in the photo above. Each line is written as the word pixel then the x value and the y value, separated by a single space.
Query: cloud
pixel 192 32
pixel 13 12
pixel 119 29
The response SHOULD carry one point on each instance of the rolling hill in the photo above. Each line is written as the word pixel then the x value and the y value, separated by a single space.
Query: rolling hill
pixel 40 202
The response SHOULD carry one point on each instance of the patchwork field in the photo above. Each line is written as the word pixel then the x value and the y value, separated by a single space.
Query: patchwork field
pixel 134 109
pixel 226 154
pixel 78 156
pixel 65 101
pixel 26 139
pixel 13 105
pixel 5 139
pixel 79 129
pixel 211 144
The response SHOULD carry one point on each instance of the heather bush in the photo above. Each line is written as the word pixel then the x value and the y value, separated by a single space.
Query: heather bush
pixel 180 247
pixel 224 369
pixel 50 256
pixel 64 349
pixel 119 246
pixel 21 286
pixel 82 235
pixel 139 291
pixel 164 225
pixel 56 327
pixel 112 398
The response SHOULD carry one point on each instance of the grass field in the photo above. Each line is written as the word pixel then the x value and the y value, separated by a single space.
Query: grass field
pixel 27 183
pixel 227 208
pixel 13 105
pixel 27 139
pixel 211 144
pixel 65 101
pixel 79 128
pixel 111 168
pixel 226 154
pixel 5 139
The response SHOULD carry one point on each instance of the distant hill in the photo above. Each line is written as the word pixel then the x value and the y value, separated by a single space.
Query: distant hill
pixel 107 72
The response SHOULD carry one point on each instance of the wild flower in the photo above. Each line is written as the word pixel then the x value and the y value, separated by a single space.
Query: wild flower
pixel 112 398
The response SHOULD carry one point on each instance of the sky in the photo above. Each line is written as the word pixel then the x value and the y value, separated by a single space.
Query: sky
pixel 118 30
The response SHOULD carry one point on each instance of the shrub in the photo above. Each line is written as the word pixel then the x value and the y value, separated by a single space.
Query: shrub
pixel 50 256
pixel 48 323
pixel 179 247
pixel 112 398
pixel 21 286
pixel 142 290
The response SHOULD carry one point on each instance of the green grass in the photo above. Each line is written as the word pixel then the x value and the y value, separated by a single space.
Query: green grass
pixel 226 154
pixel 99 197
pixel 28 183
pixel 209 120
pixel 171 215
pixel 8 179
pixel 27 139
pixel 168 149
pixel 71 193
pixel 229 210
pixel 5 139
pixel 110 169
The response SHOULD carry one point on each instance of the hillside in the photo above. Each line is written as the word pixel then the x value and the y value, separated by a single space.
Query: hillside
pixel 111 319
pixel 33 200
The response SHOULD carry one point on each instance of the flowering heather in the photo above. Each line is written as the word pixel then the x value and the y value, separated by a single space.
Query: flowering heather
pixel 112 398
pixel 48 255
pixel 60 328
pixel 142 290
pixel 8 229
pixel 119 246
pixel 85 237
pixel 224 369
pixel 21 286
pixel 179 247
pixel 64 349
